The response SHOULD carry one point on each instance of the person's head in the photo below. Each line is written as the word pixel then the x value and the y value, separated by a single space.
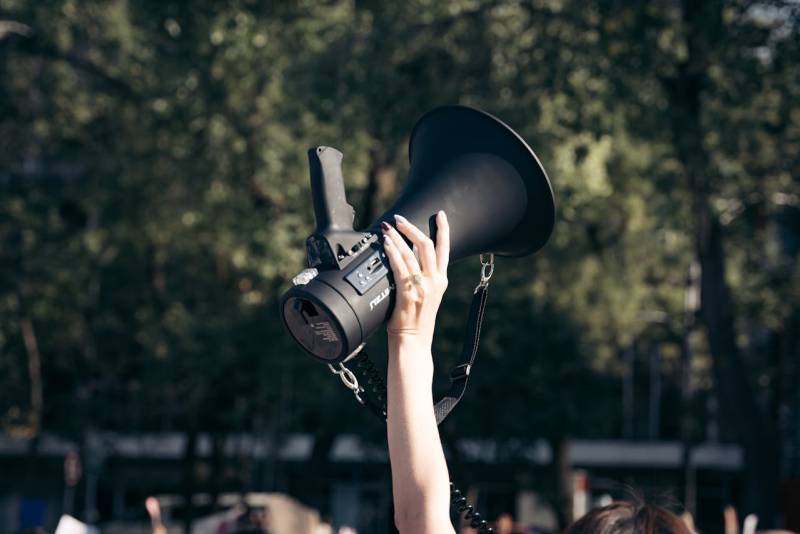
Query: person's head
pixel 629 518
pixel 504 524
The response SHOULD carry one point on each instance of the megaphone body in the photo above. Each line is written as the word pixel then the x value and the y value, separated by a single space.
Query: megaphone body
pixel 484 176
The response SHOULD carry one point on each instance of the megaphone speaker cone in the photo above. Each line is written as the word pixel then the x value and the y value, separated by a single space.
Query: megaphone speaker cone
pixel 495 192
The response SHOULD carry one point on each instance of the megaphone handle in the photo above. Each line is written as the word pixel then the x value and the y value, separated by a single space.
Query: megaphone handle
pixel 331 210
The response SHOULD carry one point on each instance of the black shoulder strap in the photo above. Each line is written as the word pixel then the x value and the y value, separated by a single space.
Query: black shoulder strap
pixel 459 375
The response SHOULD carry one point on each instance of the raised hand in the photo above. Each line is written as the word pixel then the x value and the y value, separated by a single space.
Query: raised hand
pixel 420 283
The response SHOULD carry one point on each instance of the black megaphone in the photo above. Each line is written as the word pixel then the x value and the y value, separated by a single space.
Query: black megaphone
pixel 485 177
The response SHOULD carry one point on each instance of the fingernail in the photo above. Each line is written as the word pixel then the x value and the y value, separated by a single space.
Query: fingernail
pixel 400 218
pixel 387 240
pixel 443 214
pixel 385 226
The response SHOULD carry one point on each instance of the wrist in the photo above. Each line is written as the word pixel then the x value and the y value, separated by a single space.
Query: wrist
pixel 409 342
pixel 411 352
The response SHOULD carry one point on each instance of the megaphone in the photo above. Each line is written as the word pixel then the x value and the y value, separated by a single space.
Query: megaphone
pixel 484 176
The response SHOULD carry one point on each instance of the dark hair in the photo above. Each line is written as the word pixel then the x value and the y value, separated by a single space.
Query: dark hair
pixel 629 518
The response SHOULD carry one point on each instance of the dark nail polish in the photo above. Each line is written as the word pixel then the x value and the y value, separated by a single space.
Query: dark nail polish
pixel 385 227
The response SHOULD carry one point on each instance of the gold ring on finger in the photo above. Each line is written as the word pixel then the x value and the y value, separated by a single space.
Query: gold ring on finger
pixel 415 279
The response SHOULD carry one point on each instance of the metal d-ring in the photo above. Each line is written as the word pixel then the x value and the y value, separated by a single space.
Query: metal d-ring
pixel 487 269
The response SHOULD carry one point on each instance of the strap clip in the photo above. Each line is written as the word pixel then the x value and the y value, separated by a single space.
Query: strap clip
pixel 487 270
pixel 348 379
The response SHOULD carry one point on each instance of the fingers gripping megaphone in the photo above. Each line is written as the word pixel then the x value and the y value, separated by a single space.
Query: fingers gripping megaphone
pixel 485 177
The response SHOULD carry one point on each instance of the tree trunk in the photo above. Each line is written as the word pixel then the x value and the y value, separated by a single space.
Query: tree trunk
pixel 216 481
pixel 189 457
pixel 688 474
pixel 34 375
pixel 739 408
pixel 563 481
pixel 381 179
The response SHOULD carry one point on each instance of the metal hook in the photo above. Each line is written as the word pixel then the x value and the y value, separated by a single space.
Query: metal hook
pixel 487 269
pixel 348 379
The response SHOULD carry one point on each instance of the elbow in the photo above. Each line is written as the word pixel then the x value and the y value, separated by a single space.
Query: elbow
pixel 410 525
pixel 422 518
pixel 425 526
pixel 409 514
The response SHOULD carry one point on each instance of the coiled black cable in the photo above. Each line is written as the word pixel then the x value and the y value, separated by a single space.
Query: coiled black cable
pixel 372 380
pixel 459 502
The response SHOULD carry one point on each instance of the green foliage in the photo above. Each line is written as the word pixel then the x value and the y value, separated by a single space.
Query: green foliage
pixel 155 200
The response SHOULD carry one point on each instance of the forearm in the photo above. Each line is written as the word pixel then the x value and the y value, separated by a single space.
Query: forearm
pixel 419 472
pixel 420 482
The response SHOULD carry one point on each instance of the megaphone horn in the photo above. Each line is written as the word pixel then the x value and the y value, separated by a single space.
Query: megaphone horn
pixel 485 177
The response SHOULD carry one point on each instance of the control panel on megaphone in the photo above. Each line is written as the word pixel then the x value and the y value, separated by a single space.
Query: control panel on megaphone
pixel 466 162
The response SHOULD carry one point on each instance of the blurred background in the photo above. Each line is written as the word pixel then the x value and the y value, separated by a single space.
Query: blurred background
pixel 154 204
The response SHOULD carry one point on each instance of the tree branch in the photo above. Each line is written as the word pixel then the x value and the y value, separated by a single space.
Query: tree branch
pixel 34 374
pixel 24 40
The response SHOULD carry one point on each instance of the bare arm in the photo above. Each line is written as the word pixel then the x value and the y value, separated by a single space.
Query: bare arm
pixel 420 482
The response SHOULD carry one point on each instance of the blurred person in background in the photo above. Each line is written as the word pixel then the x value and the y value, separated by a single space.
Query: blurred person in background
pixel 154 511
pixel 629 517
pixel 504 524
pixel 252 521
pixel 324 527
